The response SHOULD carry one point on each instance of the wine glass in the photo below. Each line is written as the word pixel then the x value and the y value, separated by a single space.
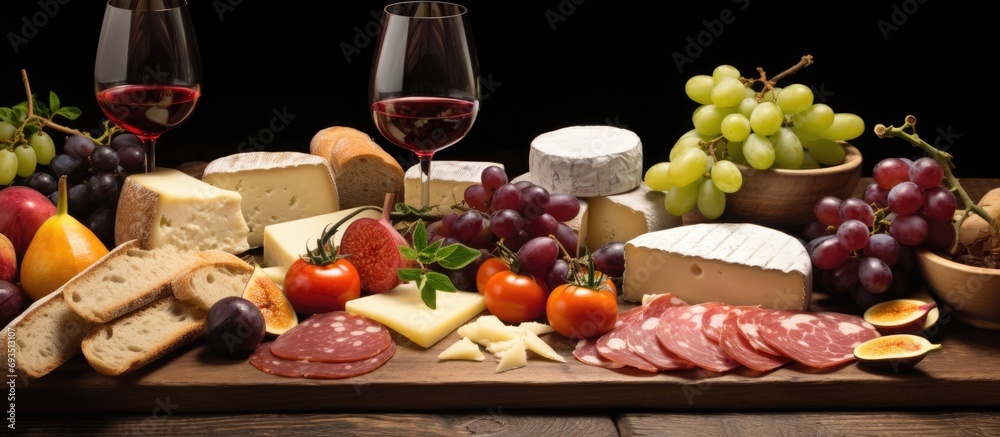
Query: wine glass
pixel 148 70
pixel 424 86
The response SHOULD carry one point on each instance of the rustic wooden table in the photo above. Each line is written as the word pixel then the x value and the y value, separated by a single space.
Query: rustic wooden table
pixel 956 391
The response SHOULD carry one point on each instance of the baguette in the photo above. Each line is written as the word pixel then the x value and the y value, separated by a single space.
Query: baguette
pixel 222 274
pixel 46 335
pixel 139 338
pixel 364 172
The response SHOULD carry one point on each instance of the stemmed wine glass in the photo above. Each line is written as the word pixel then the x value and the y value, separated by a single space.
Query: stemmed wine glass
pixel 148 70
pixel 424 87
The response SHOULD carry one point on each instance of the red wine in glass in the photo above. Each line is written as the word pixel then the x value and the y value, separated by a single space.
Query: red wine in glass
pixel 424 125
pixel 148 110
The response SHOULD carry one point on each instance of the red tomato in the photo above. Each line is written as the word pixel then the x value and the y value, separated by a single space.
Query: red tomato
pixel 514 298
pixel 580 312
pixel 486 271
pixel 314 288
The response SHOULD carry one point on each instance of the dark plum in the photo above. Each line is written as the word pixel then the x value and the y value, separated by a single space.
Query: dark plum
pixel 234 326
pixel 11 302
pixel 610 259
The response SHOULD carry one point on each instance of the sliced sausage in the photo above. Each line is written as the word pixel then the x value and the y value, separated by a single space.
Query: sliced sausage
pixel 680 331
pixel 736 345
pixel 267 362
pixel 816 339
pixel 334 337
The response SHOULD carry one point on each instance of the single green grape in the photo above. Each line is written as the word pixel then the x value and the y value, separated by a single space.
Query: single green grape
pixel 766 118
pixel 656 177
pixel 814 119
pixel 794 98
pixel 699 88
pixel 45 148
pixel 758 151
pixel 682 144
pixel 8 166
pixel 6 130
pixel 808 162
pixel 708 118
pixel 735 127
pixel 788 151
pixel 725 71
pixel 687 167
pixel 681 200
pixel 747 106
pixel 711 201
pixel 26 161
pixel 845 127
pixel 727 176
pixel 735 151
pixel 728 93
pixel 826 152
pixel 769 94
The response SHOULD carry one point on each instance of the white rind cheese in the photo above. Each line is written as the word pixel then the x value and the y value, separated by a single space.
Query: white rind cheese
pixel 621 217
pixel 449 179
pixel 285 242
pixel 587 161
pixel 167 206
pixel 276 187
pixel 734 263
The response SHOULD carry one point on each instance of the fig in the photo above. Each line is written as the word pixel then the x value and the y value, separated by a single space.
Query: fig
pixel 373 248
pixel 234 326
pixel 900 316
pixel 263 292
pixel 895 352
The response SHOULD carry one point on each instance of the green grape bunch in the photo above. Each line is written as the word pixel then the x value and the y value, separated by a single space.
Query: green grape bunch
pixel 24 144
pixel 735 123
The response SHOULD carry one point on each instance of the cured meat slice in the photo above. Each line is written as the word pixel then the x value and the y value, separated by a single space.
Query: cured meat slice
pixel 333 337
pixel 586 352
pixel 642 336
pixel 714 318
pixel 749 324
pixel 613 345
pixel 680 331
pixel 267 362
pixel 736 345
pixel 816 339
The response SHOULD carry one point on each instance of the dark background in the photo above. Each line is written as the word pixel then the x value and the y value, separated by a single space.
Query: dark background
pixel 545 65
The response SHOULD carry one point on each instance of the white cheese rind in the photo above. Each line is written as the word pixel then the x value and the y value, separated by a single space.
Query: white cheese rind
pixel 734 263
pixel 285 242
pixel 621 217
pixel 449 179
pixel 587 161
pixel 169 207
pixel 276 187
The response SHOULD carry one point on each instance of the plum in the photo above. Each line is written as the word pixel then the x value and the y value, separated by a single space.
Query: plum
pixel 234 326
pixel 11 302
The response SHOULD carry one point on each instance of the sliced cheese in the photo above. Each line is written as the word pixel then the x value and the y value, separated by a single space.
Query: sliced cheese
pixel 449 180
pixel 587 161
pixel 276 187
pixel 622 217
pixel 734 263
pixel 514 357
pixel 168 207
pixel 463 349
pixel 498 348
pixel 536 328
pixel 540 347
pixel 402 310
pixel 285 242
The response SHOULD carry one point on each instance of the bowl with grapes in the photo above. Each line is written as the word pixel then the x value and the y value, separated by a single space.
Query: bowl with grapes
pixel 969 293
pixel 784 198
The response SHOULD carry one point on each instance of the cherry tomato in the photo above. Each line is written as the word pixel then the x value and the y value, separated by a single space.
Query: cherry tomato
pixel 486 271
pixel 514 298
pixel 580 312
pixel 312 288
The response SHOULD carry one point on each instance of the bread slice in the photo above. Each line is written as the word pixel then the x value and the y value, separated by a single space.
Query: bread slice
pixel 222 274
pixel 139 338
pixel 127 278
pixel 47 334
pixel 363 170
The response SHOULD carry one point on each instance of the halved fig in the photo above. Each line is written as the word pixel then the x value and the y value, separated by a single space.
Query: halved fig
pixel 279 316
pixel 900 316
pixel 894 352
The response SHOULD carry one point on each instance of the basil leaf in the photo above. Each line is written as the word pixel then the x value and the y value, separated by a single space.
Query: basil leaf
pixel 440 282
pixel 461 257
pixel 408 252
pixel 409 275
pixel 420 236
pixel 427 293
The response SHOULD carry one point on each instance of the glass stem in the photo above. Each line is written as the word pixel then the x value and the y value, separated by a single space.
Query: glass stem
pixel 149 145
pixel 425 180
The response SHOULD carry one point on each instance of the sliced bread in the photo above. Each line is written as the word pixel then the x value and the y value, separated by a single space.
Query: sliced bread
pixel 222 274
pixel 363 170
pixel 46 334
pixel 143 336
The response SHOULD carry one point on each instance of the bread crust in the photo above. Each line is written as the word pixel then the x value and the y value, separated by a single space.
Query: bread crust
pixel 52 309
pixel 363 170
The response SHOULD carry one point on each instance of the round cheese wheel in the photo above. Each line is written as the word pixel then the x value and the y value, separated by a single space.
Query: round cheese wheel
pixel 587 161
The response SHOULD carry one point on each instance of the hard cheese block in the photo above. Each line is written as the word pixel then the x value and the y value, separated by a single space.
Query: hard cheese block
pixel 402 310
pixel 448 182
pixel 587 160
pixel 167 206
pixel 621 217
pixel 734 263
pixel 285 242
pixel 276 187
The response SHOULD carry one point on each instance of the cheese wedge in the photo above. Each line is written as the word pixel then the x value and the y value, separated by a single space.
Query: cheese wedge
pixel 463 349
pixel 734 263
pixel 448 182
pixel 167 206
pixel 402 310
pixel 587 161
pixel 622 217
pixel 513 358
pixel 276 187
pixel 285 242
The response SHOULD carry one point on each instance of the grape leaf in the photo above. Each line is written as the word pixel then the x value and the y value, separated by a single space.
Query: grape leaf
pixel 53 101
pixel 70 112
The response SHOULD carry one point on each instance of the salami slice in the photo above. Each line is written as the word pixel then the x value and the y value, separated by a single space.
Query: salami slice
pixel 816 339
pixel 655 307
pixel 680 331
pixel 334 337
pixel 267 362
pixel 642 336
pixel 586 352
pixel 736 345
pixel 749 323
pixel 712 321
pixel 613 345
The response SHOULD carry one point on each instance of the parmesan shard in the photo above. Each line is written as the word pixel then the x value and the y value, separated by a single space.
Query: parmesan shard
pixel 463 349
pixel 587 161
pixel 514 357
pixel 168 207
pixel 276 187
pixel 733 263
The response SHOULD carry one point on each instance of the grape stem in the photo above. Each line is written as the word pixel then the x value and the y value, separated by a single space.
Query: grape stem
pixel 908 132
pixel 43 120
pixel 769 84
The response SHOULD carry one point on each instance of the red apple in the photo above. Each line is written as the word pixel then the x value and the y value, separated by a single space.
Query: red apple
pixel 8 259
pixel 22 212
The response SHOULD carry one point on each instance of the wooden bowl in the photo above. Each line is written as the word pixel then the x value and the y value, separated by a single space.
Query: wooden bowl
pixel 785 199
pixel 970 294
